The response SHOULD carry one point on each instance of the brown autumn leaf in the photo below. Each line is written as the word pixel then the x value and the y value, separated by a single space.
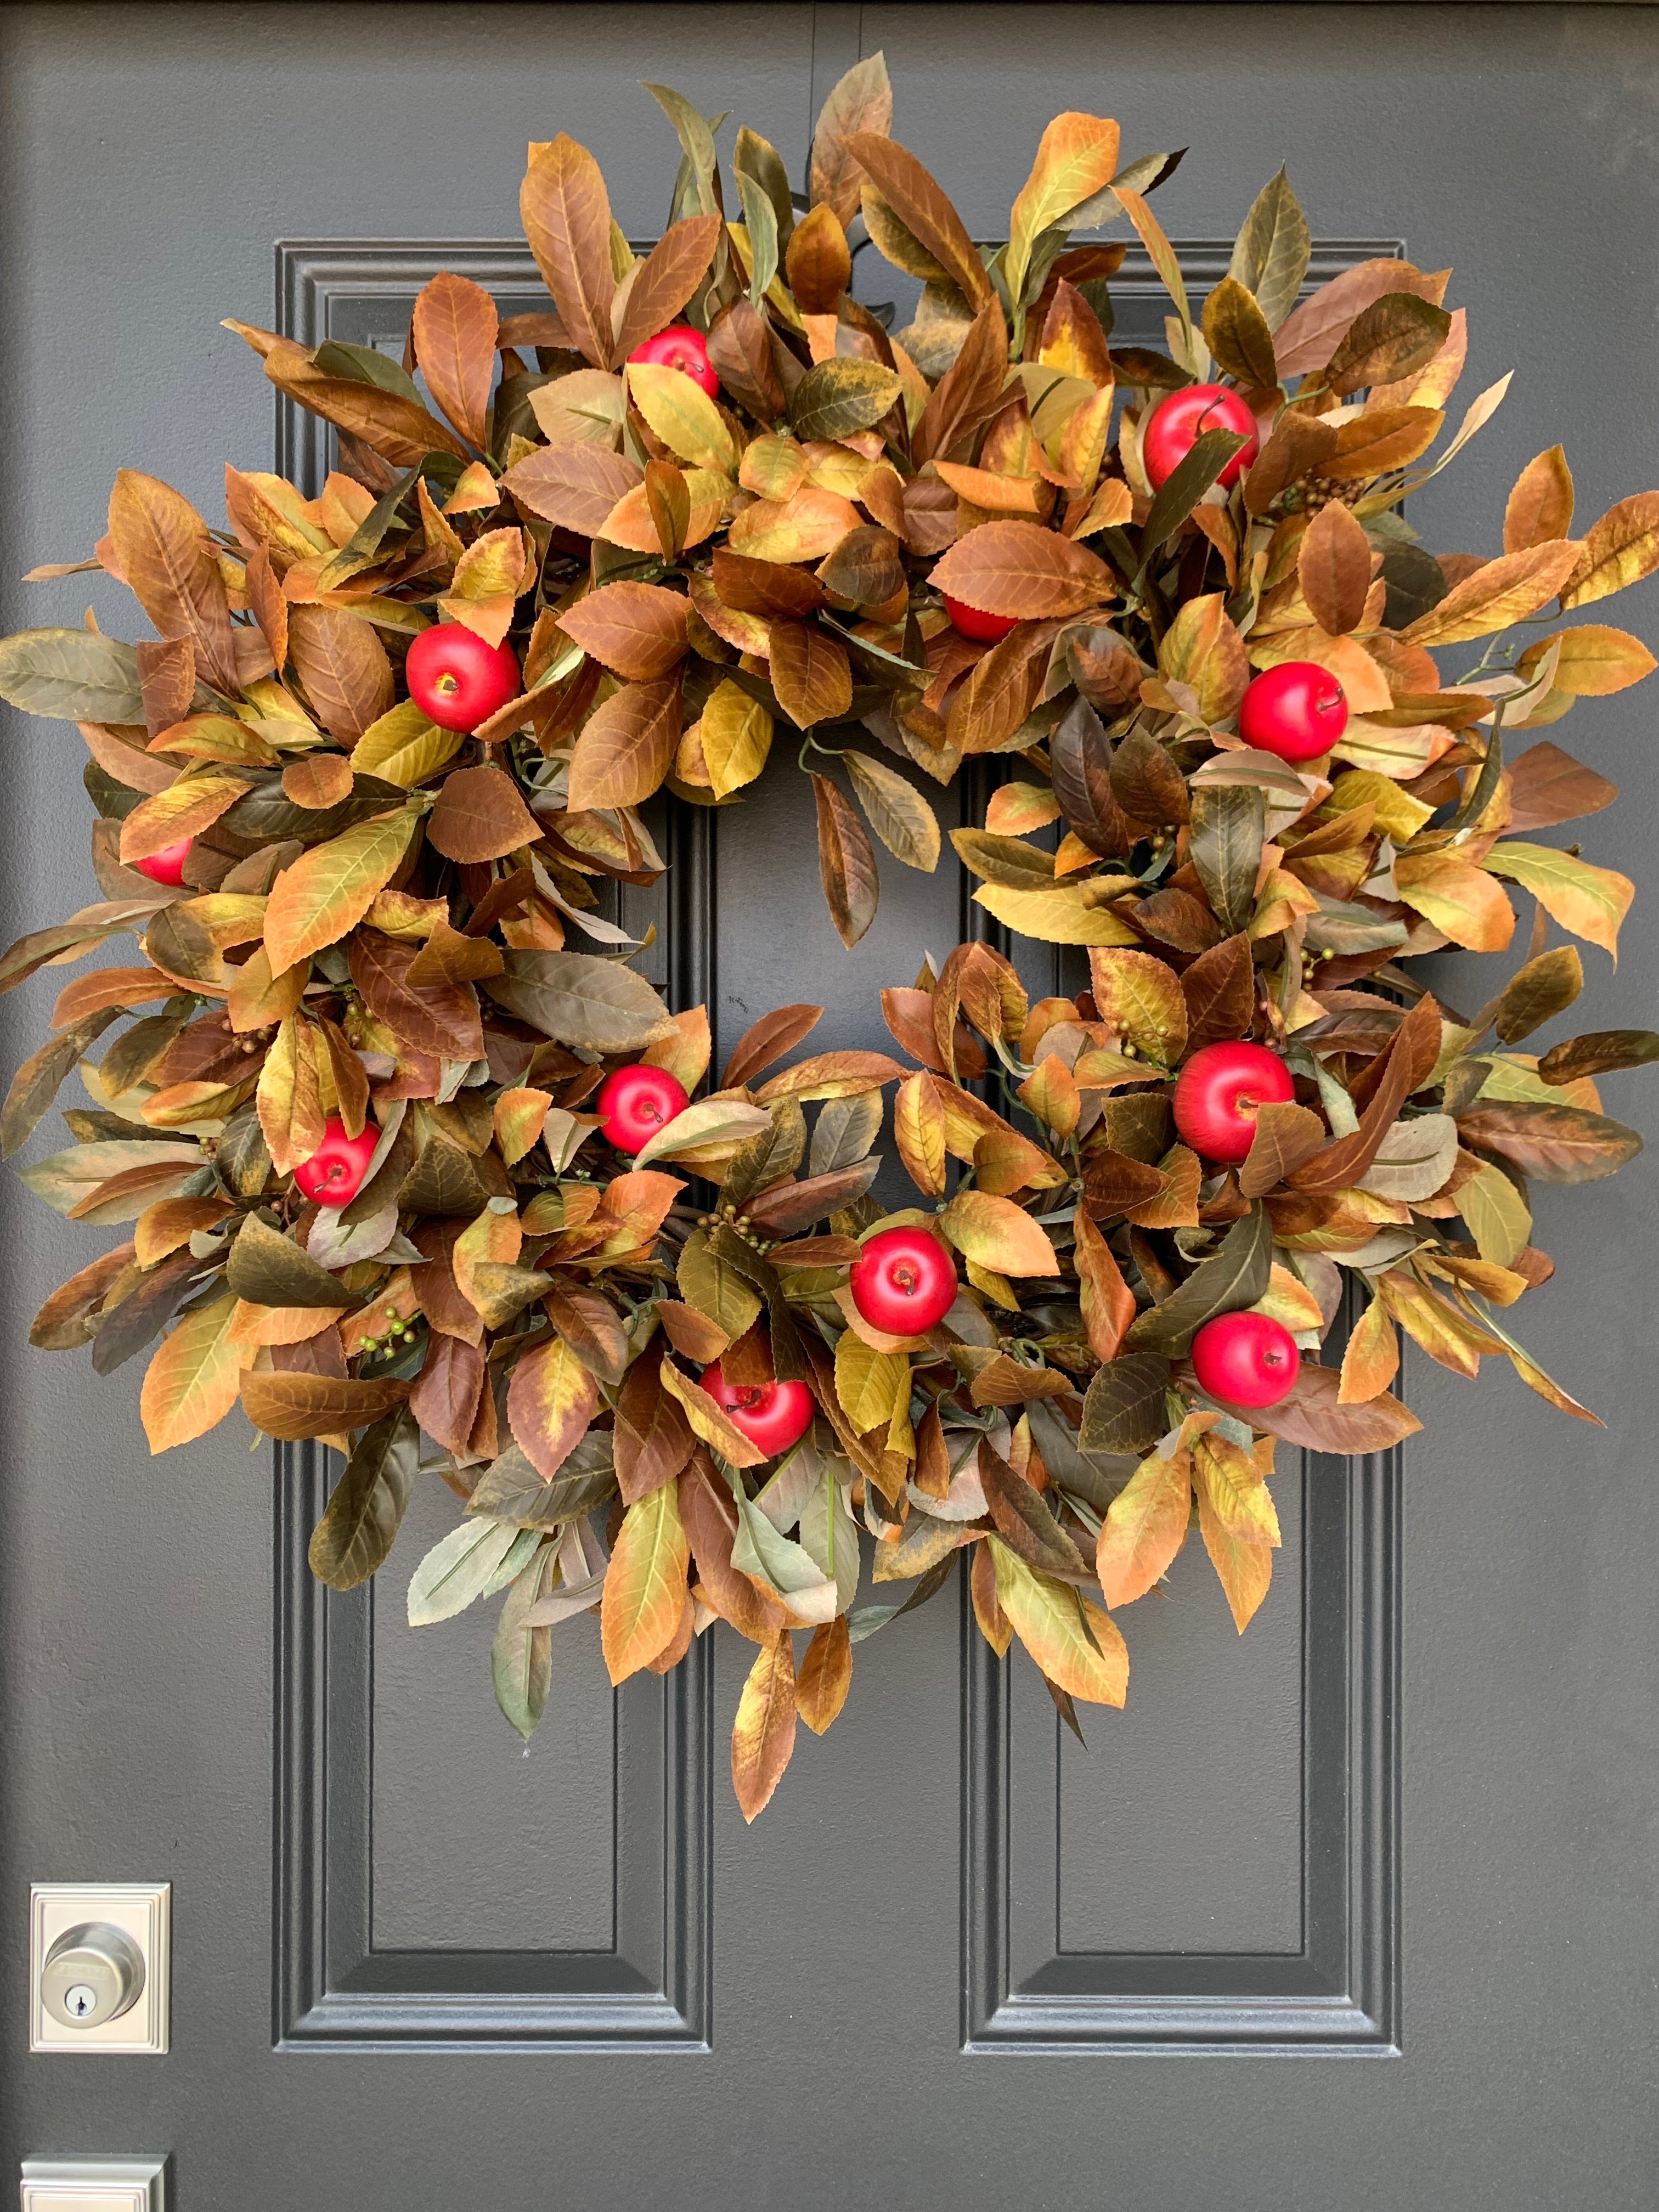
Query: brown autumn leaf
pixel 1107 1301
pixel 440 1017
pixel 627 747
pixel 635 630
pixel 763 1734
pixel 1539 508
pixel 294 1406
pixel 1334 565
pixel 812 676
pixel 846 865
pixel 1019 568
pixel 339 659
pixel 767 1040
pixel 566 212
pixel 454 331
pixel 576 486
pixel 1145 1526
pixel 1219 988
pixel 166 674
pixel 163 555
pixel 970 392
pixel 318 782
pixel 654 1439
pixel 923 208
pixel 480 815
pixel 1312 1415
pixel 665 280
pixel 392 425
pixel 1285 1136
pixel 818 264
pixel 826 1674
pixel 862 100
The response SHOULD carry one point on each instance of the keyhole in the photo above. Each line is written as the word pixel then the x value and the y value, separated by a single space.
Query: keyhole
pixel 82 2000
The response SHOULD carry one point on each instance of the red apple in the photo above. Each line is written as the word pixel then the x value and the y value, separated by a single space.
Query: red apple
pixel 974 622
pixel 903 1281
pixel 634 1102
pixel 772 1415
pixel 1218 1091
pixel 334 1174
pixel 166 867
pixel 1245 1359
pixel 456 678
pixel 1176 423
pixel 1297 710
pixel 681 347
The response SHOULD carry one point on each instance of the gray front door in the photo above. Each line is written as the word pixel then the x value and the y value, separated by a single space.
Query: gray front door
pixel 1411 1820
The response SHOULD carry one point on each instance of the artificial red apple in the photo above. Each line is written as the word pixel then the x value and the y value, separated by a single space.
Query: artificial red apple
pixel 166 867
pixel 681 347
pixel 1297 710
pixel 1218 1092
pixel 974 622
pixel 1175 425
pixel 903 1281
pixel 334 1174
pixel 772 1415
pixel 459 679
pixel 634 1102
pixel 1245 1359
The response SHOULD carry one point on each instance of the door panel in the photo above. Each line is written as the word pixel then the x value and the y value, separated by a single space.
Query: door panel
pixel 1412 1814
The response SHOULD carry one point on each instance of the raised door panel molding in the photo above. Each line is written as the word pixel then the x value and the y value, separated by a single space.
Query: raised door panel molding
pixel 1284 1936
pixel 368 1956
pixel 1333 1985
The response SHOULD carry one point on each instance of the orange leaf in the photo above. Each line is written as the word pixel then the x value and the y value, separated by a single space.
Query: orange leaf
pixel 763 1734
pixel 191 1381
pixel 645 1585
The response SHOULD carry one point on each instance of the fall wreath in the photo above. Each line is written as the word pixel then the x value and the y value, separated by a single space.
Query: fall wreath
pixel 407 1173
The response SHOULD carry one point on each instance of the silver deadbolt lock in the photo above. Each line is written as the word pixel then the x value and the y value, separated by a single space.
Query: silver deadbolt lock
pixel 92 1974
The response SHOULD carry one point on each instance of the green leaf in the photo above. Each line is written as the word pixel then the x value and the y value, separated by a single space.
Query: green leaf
pixel 512 1489
pixel 581 1000
pixel 1229 820
pixel 830 1534
pixel 1271 251
pixel 366 1508
pixel 1535 993
pixel 841 395
pixel 761 219
pixel 1599 1052
pixel 1123 1407
pixel 367 365
pixel 76 675
pixel 1233 1277
pixel 270 1269
pixel 785 1567
pixel 1186 483
pixel 695 136
pixel 38 1081
pixel 521 1657
pixel 1497 1217
pixel 458 1569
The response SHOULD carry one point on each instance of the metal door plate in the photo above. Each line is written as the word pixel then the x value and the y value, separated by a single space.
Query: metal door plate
pixel 143 1910
pixel 94 2184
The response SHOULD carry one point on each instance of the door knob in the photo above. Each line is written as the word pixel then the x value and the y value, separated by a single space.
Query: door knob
pixel 92 1974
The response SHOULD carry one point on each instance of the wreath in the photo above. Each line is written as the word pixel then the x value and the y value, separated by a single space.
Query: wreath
pixel 408 1174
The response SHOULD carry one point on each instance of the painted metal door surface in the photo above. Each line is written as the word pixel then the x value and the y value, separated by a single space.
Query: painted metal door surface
pixel 1412 1819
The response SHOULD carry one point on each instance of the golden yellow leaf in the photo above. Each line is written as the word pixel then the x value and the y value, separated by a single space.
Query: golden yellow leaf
pixel 919 1132
pixel 191 1381
pixel 1145 1526
pixel 994 1232
pixel 826 1674
pixel 763 1734
pixel 1372 1357
pixel 1077 1645
pixel 683 416
pixel 317 898
pixel 550 1400
pixel 869 1383
pixel 1589 902
pixel 645 1585
pixel 1461 899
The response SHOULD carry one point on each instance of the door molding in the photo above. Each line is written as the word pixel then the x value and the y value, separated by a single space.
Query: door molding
pixel 1340 1993
pixel 331 1988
